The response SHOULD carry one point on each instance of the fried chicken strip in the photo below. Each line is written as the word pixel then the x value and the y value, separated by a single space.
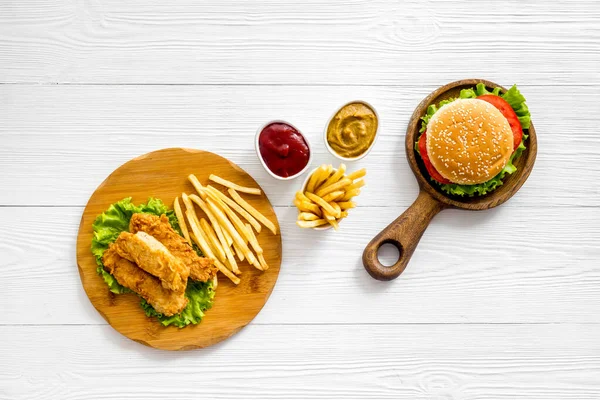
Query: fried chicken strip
pixel 128 274
pixel 201 268
pixel 153 257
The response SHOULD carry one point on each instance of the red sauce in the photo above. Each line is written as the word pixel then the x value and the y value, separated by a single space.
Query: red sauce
pixel 283 149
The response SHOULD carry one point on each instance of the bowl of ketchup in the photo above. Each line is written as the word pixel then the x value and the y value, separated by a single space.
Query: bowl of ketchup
pixel 282 150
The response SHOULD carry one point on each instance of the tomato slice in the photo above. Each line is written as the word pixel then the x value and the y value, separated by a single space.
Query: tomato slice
pixel 430 168
pixel 506 110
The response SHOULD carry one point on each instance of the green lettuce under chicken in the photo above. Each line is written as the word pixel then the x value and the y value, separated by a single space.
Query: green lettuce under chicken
pixel 115 220
pixel 517 101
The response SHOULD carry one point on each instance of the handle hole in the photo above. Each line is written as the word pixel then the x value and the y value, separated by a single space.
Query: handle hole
pixel 388 254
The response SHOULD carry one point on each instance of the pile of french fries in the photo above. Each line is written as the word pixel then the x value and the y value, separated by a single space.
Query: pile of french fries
pixel 327 196
pixel 226 231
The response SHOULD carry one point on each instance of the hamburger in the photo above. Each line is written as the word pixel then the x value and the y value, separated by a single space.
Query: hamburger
pixel 468 144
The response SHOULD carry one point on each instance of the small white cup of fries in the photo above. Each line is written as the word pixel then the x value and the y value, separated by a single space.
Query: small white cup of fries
pixel 326 196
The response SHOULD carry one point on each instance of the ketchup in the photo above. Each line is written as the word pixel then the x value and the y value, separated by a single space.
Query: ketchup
pixel 283 149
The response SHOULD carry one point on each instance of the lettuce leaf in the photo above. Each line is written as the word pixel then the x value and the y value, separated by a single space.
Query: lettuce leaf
pixel 512 96
pixel 115 220
pixel 200 298
pixel 432 109
pixel 517 101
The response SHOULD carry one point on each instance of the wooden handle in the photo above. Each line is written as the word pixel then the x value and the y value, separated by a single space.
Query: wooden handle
pixel 404 233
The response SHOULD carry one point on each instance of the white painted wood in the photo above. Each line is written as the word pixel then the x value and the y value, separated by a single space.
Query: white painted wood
pixel 334 42
pixel 412 362
pixel 80 134
pixel 501 304
pixel 506 265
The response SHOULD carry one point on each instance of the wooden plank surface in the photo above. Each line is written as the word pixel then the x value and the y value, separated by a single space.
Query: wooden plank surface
pixel 338 42
pixel 412 362
pixel 498 266
pixel 501 304
pixel 63 128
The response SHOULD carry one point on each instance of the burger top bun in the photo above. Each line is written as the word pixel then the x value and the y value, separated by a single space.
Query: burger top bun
pixel 469 141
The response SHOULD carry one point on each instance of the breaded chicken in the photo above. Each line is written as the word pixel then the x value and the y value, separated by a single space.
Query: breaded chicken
pixel 128 274
pixel 201 269
pixel 153 257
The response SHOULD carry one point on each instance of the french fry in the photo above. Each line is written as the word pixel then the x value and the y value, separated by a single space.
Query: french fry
pixel 307 216
pixel 253 261
pixel 212 239
pixel 215 224
pixel 356 185
pixel 345 205
pixel 204 237
pixel 187 202
pixel 322 203
pixel 234 186
pixel 308 207
pixel 259 252
pixel 231 261
pixel 206 248
pixel 181 220
pixel 333 187
pixel 215 282
pixel 301 197
pixel 334 223
pixel 236 207
pixel 349 195
pixel 254 242
pixel 238 252
pixel 310 186
pixel 195 240
pixel 334 195
pixel 235 220
pixel 196 183
pixel 226 224
pixel 311 224
pixel 357 174
pixel 337 175
pixel 225 246
pixel 337 208
pixel 263 262
pixel 323 177
pixel 228 238
pixel 255 213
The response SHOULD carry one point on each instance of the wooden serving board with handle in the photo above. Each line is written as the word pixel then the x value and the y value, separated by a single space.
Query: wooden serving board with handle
pixel 163 174
pixel 406 231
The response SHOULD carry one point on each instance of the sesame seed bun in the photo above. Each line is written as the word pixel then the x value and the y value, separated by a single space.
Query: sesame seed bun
pixel 469 141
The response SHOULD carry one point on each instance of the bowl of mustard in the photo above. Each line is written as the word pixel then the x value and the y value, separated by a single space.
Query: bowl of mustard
pixel 351 131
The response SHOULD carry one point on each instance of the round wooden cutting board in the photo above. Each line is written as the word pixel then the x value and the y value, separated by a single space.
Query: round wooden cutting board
pixel 163 174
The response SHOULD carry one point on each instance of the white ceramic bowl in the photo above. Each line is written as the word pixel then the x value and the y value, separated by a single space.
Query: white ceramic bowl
pixel 256 147
pixel 303 189
pixel 329 121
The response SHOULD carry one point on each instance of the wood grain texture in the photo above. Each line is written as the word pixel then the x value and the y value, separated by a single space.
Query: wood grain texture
pixel 412 362
pixel 163 174
pixel 500 304
pixel 338 42
pixel 79 134
pixel 506 265
pixel 404 233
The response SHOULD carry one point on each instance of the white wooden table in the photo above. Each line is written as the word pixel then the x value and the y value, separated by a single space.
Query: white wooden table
pixel 502 304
